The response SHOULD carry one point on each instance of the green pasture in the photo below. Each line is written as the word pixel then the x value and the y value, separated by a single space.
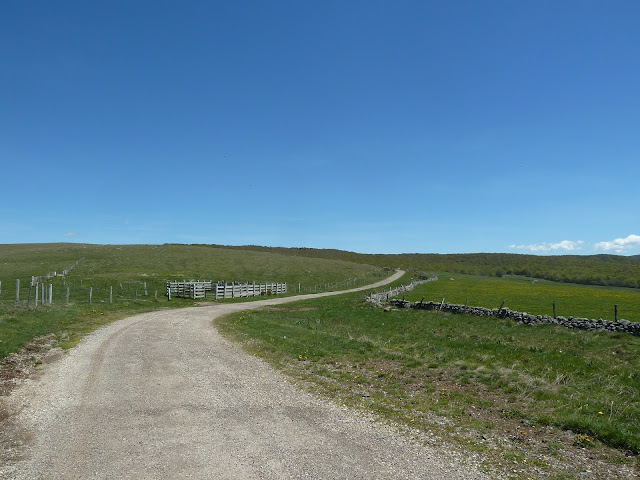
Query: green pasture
pixel 465 376
pixel 603 269
pixel 148 262
pixel 483 375
pixel 524 294
pixel 116 276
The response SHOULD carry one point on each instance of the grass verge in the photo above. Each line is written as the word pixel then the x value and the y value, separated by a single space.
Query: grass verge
pixel 539 398
pixel 68 322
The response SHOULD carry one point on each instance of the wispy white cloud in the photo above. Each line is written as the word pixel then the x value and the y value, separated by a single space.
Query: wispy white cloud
pixel 71 234
pixel 619 245
pixel 566 245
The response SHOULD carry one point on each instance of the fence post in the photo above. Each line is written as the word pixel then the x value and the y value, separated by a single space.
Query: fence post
pixel 110 294
pixel 616 313
pixel 554 309
pixel 67 294
pixel 90 294
pixel 50 293
pixel 36 288
pixel 502 305
pixel 17 292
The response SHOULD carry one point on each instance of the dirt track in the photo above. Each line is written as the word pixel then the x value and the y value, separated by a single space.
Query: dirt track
pixel 163 395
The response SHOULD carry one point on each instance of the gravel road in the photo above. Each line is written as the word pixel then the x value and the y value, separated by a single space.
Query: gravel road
pixel 163 396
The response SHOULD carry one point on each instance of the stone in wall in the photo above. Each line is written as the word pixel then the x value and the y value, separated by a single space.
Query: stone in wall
pixel 522 317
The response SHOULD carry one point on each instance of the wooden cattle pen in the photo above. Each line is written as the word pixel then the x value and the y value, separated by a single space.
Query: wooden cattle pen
pixel 199 288
pixel 192 289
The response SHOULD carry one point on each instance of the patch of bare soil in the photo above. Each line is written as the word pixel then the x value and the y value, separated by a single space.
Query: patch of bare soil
pixel 14 370
pixel 18 366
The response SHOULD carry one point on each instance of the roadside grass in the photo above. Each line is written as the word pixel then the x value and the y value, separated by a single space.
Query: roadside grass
pixel 465 377
pixel 116 275
pixel 68 322
pixel 533 296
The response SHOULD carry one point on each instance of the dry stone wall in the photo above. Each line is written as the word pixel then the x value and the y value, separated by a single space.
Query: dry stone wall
pixel 522 317
pixel 379 297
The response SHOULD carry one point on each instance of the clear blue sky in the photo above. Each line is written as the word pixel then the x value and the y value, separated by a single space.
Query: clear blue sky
pixel 372 126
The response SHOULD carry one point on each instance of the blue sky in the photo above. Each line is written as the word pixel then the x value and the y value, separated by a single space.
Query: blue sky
pixel 377 127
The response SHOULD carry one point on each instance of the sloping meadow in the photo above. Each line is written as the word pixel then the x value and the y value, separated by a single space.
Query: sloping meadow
pixel 552 390
pixel 120 280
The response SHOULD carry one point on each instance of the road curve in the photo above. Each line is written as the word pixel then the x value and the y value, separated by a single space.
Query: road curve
pixel 162 395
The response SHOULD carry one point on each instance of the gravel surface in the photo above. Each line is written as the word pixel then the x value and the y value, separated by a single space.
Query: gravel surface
pixel 163 395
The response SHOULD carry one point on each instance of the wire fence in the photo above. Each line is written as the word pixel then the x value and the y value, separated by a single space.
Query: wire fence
pixel 56 288
pixel 377 298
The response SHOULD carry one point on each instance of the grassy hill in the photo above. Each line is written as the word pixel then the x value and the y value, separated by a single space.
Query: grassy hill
pixel 116 275
pixel 605 270
pixel 175 262
pixel 481 382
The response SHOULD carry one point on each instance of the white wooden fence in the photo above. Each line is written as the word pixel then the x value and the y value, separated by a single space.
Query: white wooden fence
pixel 197 289
pixel 191 289
pixel 237 290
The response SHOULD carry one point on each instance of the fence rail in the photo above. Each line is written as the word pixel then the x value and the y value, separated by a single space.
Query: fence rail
pixel 184 288
pixel 198 289
pixel 238 290
pixel 60 288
